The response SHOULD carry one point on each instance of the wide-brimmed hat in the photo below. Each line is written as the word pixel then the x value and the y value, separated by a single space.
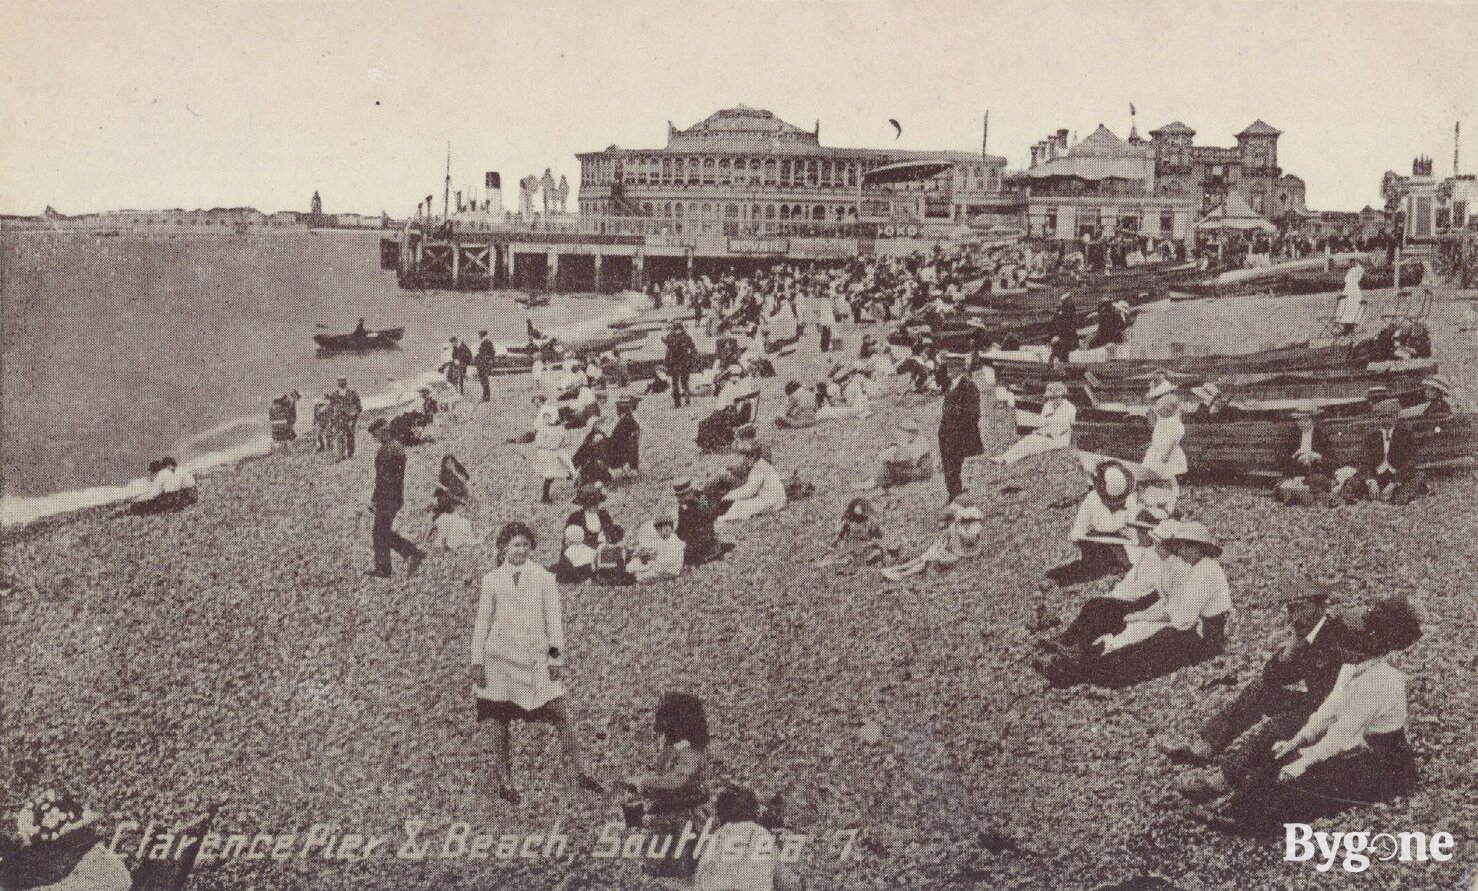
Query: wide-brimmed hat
pixel 1392 624
pixel 1055 390
pixel 1439 383
pixel 683 486
pixel 51 815
pixel 1310 590
pixel 964 509
pixel 1388 408
pixel 1195 533
pixel 1149 518
pixel 1113 480
pixel 1206 392
pixel 1163 388
pixel 858 509
pixel 590 493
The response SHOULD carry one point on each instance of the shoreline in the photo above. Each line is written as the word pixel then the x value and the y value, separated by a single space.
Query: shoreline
pixel 20 511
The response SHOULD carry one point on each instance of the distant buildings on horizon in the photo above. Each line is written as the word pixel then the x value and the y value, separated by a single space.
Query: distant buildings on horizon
pixel 216 219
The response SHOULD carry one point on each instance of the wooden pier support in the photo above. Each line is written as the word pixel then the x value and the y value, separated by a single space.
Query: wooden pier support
pixel 551 271
pixel 597 272
pixel 637 279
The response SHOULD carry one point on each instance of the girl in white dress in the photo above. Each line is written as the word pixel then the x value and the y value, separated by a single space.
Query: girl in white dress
pixel 1164 455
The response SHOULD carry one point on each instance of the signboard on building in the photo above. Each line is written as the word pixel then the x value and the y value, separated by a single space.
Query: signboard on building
pixel 759 245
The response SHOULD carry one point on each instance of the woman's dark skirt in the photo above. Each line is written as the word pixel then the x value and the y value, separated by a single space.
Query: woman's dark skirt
pixel 507 712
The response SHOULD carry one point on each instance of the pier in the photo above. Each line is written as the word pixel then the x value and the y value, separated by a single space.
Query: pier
pixel 607 254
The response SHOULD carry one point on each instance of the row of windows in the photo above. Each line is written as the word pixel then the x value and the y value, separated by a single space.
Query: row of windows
pixel 753 171
pixel 678 210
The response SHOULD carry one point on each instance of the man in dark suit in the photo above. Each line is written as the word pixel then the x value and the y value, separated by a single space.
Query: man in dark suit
pixel 959 425
pixel 485 360
pixel 1064 329
pixel 1305 460
pixel 681 354
pixel 1388 456
pixel 1321 641
pixel 386 501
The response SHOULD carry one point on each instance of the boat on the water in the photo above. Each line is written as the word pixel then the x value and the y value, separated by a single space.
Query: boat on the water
pixel 384 339
pixel 532 300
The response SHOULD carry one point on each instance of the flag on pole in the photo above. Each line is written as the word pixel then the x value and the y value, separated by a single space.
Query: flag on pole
pixel 1131 109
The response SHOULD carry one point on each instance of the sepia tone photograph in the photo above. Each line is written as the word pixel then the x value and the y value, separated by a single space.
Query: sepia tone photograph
pixel 747 446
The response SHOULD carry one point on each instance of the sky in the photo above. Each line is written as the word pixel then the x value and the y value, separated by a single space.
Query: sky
pixel 113 104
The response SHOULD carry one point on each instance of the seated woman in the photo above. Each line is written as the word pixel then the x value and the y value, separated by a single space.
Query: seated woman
pixel 909 460
pixel 1182 627
pixel 451 527
pixel 576 558
pixel 695 518
pixel 961 541
pixel 1307 477
pixel 590 459
pixel 1353 748
pixel 800 407
pixel 1100 527
pixel 60 848
pixel 849 396
pixel 659 553
pixel 676 793
pixel 1055 430
pixel 593 521
pixel 743 855
pixel 623 449
pixel 763 491
pixel 1138 590
pixel 170 489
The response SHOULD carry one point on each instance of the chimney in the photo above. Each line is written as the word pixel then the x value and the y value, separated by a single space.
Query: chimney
pixel 1036 154
pixel 493 187
pixel 1062 139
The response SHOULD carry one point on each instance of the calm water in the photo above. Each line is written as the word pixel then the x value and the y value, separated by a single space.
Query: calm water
pixel 119 350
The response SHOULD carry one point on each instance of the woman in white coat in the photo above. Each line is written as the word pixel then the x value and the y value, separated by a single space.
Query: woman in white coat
pixel 518 656
pixel 1055 430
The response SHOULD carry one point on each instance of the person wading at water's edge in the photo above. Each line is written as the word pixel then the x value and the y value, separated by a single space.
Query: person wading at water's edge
pixel 385 503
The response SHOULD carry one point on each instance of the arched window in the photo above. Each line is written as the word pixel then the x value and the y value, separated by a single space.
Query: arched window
pixel 818 212
pixel 708 167
pixel 725 172
pixel 785 172
pixel 770 211
pixel 646 208
pixel 731 212
pixel 784 211
pixel 770 171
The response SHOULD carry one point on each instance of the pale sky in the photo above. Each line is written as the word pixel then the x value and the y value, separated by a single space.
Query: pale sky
pixel 118 104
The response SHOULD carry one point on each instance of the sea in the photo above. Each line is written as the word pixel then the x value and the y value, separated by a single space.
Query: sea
pixel 122 349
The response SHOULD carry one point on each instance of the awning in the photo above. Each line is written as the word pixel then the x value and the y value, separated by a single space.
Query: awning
pixel 905 172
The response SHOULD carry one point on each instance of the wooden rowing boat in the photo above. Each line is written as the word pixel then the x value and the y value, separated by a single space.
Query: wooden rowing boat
pixel 1256 446
pixel 384 339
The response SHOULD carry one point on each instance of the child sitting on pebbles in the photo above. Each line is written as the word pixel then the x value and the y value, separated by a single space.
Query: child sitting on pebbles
pixel 961 541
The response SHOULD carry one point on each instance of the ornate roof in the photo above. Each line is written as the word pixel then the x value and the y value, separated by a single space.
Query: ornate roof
pixel 1174 127
pixel 1260 128
pixel 739 125
pixel 1102 143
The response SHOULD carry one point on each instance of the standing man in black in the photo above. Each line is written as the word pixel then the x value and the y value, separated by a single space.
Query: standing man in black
pixel 385 503
pixel 959 425
pixel 347 408
pixel 681 353
pixel 1064 328
pixel 461 358
pixel 486 359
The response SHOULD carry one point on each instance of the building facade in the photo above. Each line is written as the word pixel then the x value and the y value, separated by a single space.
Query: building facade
pixel 742 169
pixel 1159 187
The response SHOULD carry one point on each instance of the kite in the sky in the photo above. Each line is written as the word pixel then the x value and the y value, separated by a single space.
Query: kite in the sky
pixel 896 126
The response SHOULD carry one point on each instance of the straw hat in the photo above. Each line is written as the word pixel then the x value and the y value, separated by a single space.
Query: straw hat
pixel 1439 383
pixel 1055 390
pixel 1392 624
pixel 1163 388
pixel 1312 589
pixel 1113 480
pixel 1195 533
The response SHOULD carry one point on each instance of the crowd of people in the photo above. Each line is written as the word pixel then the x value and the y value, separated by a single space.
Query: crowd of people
pixel 1171 603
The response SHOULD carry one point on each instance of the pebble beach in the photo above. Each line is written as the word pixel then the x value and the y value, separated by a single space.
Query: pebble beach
pixel 235 657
